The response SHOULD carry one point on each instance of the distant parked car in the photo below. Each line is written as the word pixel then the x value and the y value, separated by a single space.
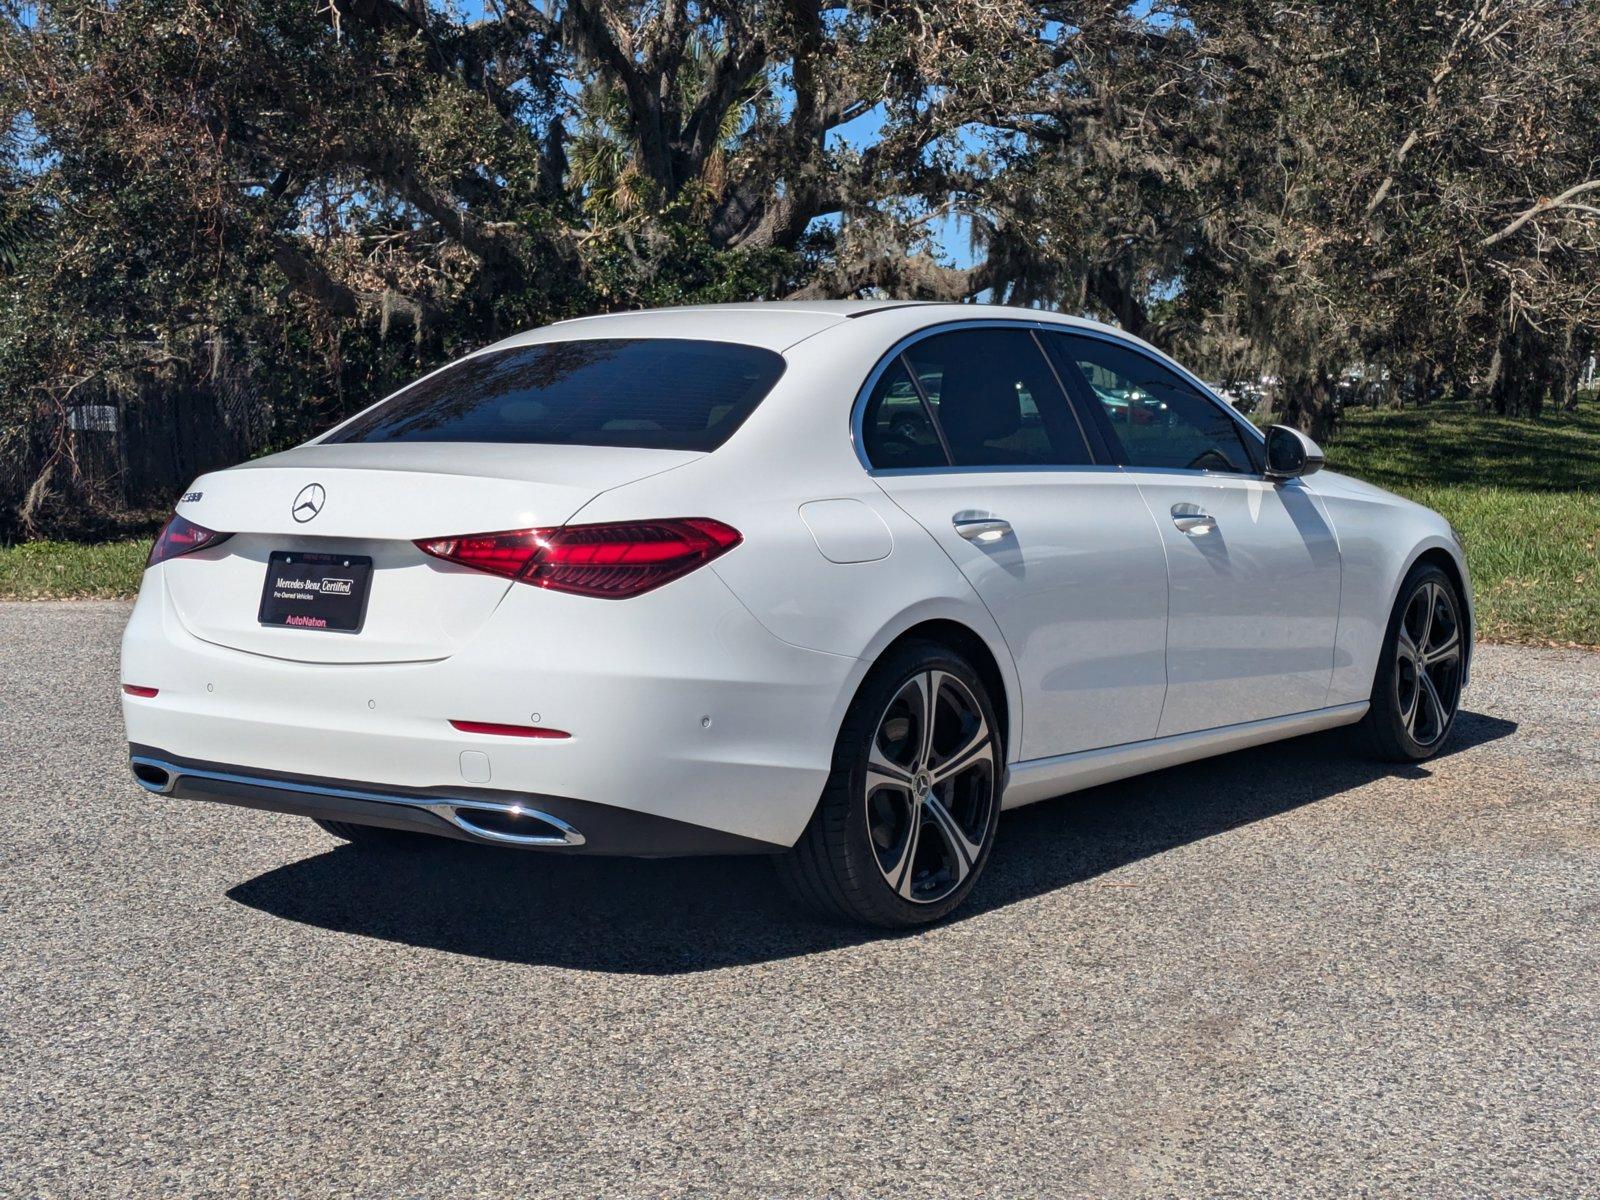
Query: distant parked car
pixel 1130 405
pixel 835 582
pixel 1244 395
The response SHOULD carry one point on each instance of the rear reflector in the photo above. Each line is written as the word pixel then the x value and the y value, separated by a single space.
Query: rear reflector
pixel 494 730
pixel 178 537
pixel 144 693
pixel 614 560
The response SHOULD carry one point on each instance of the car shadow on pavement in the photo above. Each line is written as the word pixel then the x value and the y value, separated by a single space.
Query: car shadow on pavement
pixel 673 916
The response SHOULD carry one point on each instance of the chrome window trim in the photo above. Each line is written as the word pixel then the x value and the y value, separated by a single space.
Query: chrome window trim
pixel 1008 469
pixel 886 360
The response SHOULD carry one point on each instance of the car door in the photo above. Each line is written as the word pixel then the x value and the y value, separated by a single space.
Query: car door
pixel 1253 567
pixel 968 430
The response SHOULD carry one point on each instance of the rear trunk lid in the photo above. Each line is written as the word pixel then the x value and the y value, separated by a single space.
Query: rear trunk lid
pixel 375 501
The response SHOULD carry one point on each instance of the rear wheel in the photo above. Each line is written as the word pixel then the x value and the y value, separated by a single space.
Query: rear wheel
pixel 907 820
pixel 1417 689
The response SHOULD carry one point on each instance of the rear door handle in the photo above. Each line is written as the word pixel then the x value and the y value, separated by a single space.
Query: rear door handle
pixel 1192 519
pixel 982 529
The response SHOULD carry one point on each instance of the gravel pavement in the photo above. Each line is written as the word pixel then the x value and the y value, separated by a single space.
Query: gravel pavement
pixel 1285 972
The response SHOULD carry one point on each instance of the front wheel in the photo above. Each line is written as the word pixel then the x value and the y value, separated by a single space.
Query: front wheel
pixel 1417 689
pixel 907 820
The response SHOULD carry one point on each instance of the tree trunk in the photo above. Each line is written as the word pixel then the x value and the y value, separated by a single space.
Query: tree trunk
pixel 1517 387
pixel 1307 400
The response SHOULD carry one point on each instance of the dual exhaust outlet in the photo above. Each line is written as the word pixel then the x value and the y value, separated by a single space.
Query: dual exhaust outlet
pixel 506 823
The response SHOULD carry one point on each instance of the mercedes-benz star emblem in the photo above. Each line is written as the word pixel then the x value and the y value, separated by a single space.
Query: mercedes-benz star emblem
pixel 308 503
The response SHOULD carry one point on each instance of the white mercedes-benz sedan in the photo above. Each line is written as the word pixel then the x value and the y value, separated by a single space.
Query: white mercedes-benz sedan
pixel 836 582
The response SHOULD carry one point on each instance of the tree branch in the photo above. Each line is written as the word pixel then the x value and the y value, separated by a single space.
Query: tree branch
pixel 490 247
pixel 388 17
pixel 1470 25
pixel 589 30
pixel 918 277
pixel 1544 205
pixel 339 299
pixel 733 72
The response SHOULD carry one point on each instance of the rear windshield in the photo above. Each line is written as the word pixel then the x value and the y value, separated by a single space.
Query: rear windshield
pixel 664 393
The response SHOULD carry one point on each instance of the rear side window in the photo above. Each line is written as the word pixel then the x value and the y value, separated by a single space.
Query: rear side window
pixel 895 425
pixel 662 393
pixel 996 399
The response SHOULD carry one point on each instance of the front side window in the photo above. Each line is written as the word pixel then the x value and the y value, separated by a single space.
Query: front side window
pixel 663 393
pixel 1159 418
pixel 996 399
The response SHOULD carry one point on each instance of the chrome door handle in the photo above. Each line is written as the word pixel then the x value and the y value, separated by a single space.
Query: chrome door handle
pixel 1192 519
pixel 982 529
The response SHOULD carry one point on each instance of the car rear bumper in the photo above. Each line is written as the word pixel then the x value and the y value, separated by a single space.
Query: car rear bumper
pixel 483 815
pixel 677 704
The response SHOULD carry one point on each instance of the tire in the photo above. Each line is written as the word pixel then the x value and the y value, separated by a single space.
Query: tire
pixel 1416 691
pixel 905 824
pixel 371 835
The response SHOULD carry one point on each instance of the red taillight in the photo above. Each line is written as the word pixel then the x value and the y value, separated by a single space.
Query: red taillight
pixel 144 693
pixel 529 731
pixel 179 536
pixel 614 560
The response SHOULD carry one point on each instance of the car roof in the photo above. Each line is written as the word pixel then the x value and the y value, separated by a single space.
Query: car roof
pixel 778 324
pixel 838 309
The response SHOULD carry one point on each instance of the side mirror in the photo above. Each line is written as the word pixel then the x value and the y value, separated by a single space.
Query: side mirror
pixel 1291 454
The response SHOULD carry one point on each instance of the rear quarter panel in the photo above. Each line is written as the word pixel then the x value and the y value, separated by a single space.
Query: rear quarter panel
pixel 796 450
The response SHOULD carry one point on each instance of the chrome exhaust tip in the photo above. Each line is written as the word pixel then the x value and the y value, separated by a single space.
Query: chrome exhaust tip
pixel 153 776
pixel 509 824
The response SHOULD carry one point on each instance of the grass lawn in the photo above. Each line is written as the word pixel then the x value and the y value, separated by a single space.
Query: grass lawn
pixel 1524 494
pixel 71 570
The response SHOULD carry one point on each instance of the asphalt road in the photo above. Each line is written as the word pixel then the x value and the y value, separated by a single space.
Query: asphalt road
pixel 1285 972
